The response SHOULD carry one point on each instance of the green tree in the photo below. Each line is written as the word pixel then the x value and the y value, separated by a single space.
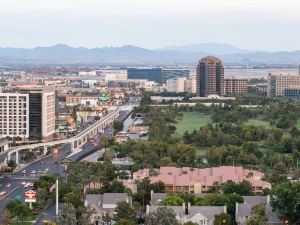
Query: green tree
pixel 106 219
pixel 18 210
pixel 118 126
pixel 222 219
pixel 67 215
pixel 7 218
pixel 190 223
pixel 105 142
pixel 285 201
pixel 163 216
pixel 258 215
pixel 124 211
pixel 165 161
pixel 74 199
pixel 41 195
pixel 172 200
pixel 22 211
pixel 125 222
pixel 243 188
pixel 12 164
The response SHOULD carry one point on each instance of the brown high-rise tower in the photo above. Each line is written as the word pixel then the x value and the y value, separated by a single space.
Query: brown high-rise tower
pixel 210 77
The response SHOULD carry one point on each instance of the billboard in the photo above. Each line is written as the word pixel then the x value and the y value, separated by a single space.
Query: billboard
pixel 30 196
pixel 103 98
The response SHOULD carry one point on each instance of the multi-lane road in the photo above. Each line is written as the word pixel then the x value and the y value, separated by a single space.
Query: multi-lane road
pixel 12 184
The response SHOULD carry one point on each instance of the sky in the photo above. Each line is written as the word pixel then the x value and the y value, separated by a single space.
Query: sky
pixel 267 25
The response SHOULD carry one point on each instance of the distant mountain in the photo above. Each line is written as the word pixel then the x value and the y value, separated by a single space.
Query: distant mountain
pixel 209 48
pixel 130 55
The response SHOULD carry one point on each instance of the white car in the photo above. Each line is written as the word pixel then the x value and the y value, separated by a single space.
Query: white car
pixel 23 183
pixel 30 184
pixel 8 185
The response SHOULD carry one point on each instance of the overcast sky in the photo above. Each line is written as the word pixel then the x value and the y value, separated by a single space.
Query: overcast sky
pixel 250 24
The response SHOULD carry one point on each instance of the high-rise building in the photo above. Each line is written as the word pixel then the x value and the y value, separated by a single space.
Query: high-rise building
pixel 151 74
pixel 277 83
pixel 236 86
pixel 41 113
pixel 14 115
pixel 210 77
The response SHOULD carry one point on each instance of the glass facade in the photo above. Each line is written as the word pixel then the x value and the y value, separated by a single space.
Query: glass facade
pixel 151 74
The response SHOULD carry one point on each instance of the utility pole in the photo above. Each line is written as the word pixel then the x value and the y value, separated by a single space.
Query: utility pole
pixel 56 211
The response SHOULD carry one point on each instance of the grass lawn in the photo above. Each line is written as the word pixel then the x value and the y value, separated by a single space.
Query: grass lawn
pixel 26 221
pixel 259 123
pixel 298 124
pixel 191 121
pixel 201 151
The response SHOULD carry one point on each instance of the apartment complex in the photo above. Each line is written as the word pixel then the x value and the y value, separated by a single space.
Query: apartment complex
pixel 235 86
pixel 196 180
pixel 277 83
pixel 14 115
pixel 210 77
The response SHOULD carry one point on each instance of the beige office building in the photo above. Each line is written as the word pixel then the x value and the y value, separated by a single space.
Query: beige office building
pixel 41 113
pixel 48 114
pixel 235 86
pixel 277 83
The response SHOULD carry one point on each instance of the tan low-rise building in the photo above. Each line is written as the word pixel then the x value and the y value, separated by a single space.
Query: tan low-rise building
pixel 197 180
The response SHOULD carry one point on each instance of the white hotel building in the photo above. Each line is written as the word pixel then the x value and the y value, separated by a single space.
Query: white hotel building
pixel 27 114
pixel 14 115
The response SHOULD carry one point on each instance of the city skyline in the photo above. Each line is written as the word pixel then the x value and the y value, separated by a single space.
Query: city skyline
pixel 251 25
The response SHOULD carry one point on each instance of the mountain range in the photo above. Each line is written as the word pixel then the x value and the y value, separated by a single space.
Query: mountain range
pixel 186 54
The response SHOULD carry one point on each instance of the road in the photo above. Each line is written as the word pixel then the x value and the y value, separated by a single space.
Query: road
pixel 49 162
pixel 87 149
pixel 16 189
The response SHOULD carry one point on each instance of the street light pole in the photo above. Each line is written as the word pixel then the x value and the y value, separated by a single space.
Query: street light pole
pixel 56 211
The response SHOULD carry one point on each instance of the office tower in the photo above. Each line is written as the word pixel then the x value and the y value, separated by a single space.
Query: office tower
pixel 292 93
pixel 167 74
pixel 236 86
pixel 277 83
pixel 14 115
pixel 151 74
pixel 210 77
pixel 41 113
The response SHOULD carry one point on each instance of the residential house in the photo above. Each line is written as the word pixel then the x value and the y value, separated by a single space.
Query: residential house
pixel 105 203
pixel 243 210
